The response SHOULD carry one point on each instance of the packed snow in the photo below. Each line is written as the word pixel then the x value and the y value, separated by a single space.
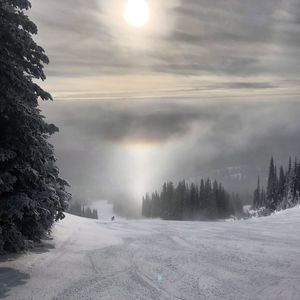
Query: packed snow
pixel 257 258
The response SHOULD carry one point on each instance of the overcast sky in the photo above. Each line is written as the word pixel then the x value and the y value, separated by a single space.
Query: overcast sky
pixel 204 85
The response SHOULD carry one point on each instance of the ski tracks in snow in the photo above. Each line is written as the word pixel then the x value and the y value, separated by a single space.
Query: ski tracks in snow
pixel 247 260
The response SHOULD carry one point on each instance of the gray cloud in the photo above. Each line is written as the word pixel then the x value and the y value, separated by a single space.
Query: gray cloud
pixel 235 39
pixel 140 121
pixel 199 138
pixel 243 49
pixel 208 37
pixel 251 85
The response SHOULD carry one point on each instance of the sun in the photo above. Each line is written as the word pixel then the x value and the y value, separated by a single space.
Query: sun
pixel 136 12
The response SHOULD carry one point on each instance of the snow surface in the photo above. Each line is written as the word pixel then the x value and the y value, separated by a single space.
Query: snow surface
pixel 254 259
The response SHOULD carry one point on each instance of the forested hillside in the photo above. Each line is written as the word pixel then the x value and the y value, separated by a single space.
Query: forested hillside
pixel 209 200
pixel 283 187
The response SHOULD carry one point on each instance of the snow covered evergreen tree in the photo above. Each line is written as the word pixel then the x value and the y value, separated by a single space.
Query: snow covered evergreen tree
pixel 283 191
pixel 291 196
pixel 32 195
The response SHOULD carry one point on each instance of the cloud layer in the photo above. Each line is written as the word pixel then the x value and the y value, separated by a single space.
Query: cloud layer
pixel 185 37
pixel 99 142
pixel 206 85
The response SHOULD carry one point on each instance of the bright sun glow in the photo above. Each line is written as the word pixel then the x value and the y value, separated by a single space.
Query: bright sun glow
pixel 140 156
pixel 136 12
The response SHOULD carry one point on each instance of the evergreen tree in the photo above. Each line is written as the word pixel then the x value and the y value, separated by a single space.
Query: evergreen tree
pixel 32 195
pixel 272 195
pixel 156 205
pixel 201 195
pixel 193 196
pixel 143 207
pixel 190 202
pixel 263 198
pixel 281 184
pixel 257 196
pixel 210 207
pixel 94 214
pixel 283 191
pixel 181 199
pixel 77 209
pixel 295 191
pixel 170 200
pixel 291 197
pixel 297 179
pixel 164 202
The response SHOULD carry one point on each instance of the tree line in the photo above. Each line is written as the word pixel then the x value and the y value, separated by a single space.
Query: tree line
pixel 78 209
pixel 204 201
pixel 283 187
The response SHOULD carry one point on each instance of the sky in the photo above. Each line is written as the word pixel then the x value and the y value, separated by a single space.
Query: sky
pixel 202 87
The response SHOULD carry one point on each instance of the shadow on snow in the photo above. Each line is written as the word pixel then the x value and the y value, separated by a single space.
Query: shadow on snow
pixel 10 278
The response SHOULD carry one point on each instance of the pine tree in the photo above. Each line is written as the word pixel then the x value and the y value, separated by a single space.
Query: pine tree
pixel 144 207
pixel 295 194
pixel 95 214
pixel 263 198
pixel 281 184
pixel 191 202
pixel 283 191
pixel 297 179
pixel 156 205
pixel 291 197
pixel 32 195
pixel 224 208
pixel 170 201
pixel 201 195
pixel 257 196
pixel 210 206
pixel 164 202
pixel 181 199
pixel 272 195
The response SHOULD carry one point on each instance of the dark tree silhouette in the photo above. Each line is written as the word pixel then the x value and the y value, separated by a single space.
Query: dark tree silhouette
pixel 32 195
pixel 283 191
pixel 190 202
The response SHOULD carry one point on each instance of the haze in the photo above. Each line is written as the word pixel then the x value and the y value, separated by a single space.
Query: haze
pixel 202 87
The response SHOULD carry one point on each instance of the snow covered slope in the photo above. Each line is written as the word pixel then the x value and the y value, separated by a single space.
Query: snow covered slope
pixel 89 259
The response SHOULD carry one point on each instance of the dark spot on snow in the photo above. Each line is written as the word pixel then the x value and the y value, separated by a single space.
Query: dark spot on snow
pixel 10 278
